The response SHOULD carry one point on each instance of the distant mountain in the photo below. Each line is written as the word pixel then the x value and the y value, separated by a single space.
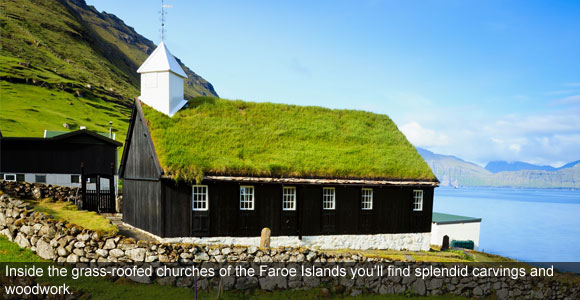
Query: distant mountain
pixel 501 166
pixel 453 171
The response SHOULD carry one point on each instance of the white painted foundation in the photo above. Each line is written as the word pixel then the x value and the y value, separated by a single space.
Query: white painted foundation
pixel 395 241
pixel 455 231
pixel 64 180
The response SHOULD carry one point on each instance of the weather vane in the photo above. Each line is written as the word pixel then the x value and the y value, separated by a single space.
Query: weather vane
pixel 163 14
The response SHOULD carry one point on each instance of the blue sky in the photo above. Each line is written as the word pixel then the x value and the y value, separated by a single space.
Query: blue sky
pixel 483 80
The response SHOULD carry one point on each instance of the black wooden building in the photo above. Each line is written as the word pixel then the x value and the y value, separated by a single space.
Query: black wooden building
pixel 67 159
pixel 221 206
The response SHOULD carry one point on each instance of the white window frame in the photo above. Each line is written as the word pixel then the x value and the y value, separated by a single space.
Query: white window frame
pixel 366 200
pixel 247 199
pixel 289 199
pixel 328 198
pixel 417 200
pixel 10 174
pixel 205 194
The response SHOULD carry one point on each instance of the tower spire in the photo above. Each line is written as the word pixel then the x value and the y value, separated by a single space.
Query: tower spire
pixel 163 14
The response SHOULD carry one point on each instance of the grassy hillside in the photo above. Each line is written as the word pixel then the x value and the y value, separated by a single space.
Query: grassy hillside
pixel 66 51
pixel 218 136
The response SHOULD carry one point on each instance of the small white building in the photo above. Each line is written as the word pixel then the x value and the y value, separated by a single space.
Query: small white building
pixel 162 81
pixel 459 228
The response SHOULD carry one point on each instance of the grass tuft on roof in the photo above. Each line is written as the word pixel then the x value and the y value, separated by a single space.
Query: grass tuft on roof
pixel 231 137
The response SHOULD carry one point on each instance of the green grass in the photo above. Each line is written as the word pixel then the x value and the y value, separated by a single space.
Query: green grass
pixel 218 136
pixel 69 212
pixel 27 110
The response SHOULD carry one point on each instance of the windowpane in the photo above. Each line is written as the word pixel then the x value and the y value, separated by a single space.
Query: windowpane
pixel 367 199
pixel 246 198
pixel 19 177
pixel 288 198
pixel 417 200
pixel 40 178
pixel 10 177
pixel 199 197
pixel 328 199
pixel 75 178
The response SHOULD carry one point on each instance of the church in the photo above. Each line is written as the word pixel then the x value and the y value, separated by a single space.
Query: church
pixel 210 170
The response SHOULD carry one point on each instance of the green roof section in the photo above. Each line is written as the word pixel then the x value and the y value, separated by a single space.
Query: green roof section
pixel 441 218
pixel 53 133
pixel 213 136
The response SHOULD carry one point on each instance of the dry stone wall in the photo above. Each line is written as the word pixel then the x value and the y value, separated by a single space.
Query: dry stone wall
pixel 67 243
pixel 26 190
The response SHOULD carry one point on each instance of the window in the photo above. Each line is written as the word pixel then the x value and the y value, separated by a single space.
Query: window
pixel 288 198
pixel 246 198
pixel 75 179
pixel 366 201
pixel 328 198
pixel 19 177
pixel 92 180
pixel 417 200
pixel 10 177
pixel 199 197
pixel 40 178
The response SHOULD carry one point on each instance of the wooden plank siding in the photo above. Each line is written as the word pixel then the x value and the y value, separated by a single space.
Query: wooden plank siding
pixel 142 194
pixel 392 210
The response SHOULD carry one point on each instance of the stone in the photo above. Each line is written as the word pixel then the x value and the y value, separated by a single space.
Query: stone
pixel 61 251
pixel 151 258
pixel 26 229
pixel 265 238
pixel 37 192
pixel 245 283
pixel 102 252
pixel 79 252
pixel 228 282
pixel 477 291
pixel 73 258
pixel 169 281
pixel 79 245
pixel 502 294
pixel 22 241
pixel 270 283
pixel 137 254
pixel 435 283
pixel 252 249
pixel 83 237
pixel 44 250
pixel 419 287
pixel 110 244
pixel 226 251
pixel 311 256
pixel 47 231
pixel 116 253
pixel 202 256
pixel 140 279
pixel 184 282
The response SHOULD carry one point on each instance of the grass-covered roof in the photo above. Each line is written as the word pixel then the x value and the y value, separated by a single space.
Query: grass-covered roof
pixel 225 137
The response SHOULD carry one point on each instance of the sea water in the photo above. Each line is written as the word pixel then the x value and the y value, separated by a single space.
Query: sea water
pixel 531 225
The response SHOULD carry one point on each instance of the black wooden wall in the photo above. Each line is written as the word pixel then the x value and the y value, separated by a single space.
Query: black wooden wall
pixel 38 155
pixel 142 189
pixel 392 211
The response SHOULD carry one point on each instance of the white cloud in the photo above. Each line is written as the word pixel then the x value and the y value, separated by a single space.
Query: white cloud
pixel 423 137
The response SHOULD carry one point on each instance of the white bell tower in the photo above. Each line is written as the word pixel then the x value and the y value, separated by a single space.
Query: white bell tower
pixel 162 80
